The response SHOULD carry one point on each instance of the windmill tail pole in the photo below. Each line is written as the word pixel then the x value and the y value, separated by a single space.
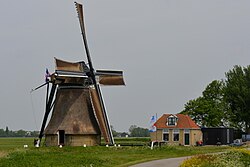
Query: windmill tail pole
pixel 47 110
pixel 32 90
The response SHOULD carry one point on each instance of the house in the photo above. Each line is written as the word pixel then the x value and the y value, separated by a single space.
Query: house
pixel 123 134
pixel 176 129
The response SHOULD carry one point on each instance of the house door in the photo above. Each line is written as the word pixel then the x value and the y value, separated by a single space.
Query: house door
pixel 61 137
pixel 186 138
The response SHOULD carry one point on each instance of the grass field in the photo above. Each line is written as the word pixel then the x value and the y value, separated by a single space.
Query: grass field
pixel 12 153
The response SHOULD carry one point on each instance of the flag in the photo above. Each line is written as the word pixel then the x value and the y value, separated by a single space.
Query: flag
pixel 47 75
pixel 153 119
pixel 152 127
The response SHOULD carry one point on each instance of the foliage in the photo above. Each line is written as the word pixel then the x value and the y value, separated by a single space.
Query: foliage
pixel 94 156
pixel 138 131
pixel 132 141
pixel 19 133
pixel 237 95
pixel 235 158
pixel 118 134
pixel 209 109
pixel 114 132
pixel 198 161
pixel 224 103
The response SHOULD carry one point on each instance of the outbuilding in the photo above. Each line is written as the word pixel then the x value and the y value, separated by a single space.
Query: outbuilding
pixel 217 136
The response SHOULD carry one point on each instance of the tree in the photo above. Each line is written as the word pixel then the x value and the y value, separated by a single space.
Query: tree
pixel 114 132
pixel 214 95
pixel 20 133
pixel 196 109
pixel 7 131
pixel 138 131
pixel 208 110
pixel 2 133
pixel 131 128
pixel 237 95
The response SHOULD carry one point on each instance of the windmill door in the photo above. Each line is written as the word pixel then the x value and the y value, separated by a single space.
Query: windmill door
pixel 61 137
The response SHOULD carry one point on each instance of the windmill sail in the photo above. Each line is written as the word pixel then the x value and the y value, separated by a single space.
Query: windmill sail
pixel 108 77
pixel 98 101
pixel 68 66
pixel 79 10
pixel 102 118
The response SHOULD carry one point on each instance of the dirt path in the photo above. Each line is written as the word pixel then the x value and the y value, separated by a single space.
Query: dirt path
pixel 170 162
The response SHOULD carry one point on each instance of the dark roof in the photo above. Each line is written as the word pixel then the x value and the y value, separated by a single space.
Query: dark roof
pixel 183 122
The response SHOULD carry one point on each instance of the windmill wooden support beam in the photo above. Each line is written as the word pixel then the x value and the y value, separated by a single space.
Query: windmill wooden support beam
pixel 47 108
pixel 79 116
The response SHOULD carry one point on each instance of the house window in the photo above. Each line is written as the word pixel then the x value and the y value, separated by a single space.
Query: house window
pixel 165 135
pixel 176 134
pixel 172 120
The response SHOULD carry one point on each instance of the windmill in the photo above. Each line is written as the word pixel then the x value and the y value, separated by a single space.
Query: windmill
pixel 79 116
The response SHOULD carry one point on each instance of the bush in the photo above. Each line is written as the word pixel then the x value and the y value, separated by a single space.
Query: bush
pixel 234 158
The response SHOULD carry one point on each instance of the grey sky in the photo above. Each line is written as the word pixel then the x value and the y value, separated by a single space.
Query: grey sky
pixel 169 51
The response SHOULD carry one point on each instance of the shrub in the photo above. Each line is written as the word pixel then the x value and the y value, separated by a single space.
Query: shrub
pixel 233 158
pixel 198 161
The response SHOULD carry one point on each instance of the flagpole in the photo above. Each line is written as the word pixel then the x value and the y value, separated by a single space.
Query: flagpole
pixel 155 126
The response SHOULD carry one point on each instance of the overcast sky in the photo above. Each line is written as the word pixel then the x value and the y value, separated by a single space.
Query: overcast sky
pixel 169 51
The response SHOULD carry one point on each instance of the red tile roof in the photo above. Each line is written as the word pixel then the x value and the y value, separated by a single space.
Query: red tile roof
pixel 183 122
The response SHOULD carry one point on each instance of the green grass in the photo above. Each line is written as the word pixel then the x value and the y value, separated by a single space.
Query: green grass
pixel 131 141
pixel 14 154
pixel 8 144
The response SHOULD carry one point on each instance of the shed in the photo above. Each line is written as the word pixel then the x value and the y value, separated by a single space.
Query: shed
pixel 217 135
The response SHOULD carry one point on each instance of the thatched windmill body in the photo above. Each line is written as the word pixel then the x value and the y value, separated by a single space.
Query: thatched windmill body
pixel 78 115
